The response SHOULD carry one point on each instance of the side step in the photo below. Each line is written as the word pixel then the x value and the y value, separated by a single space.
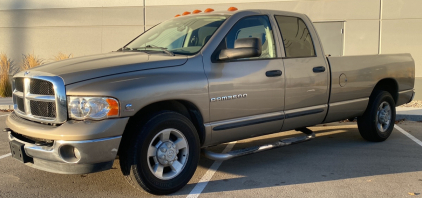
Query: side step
pixel 255 149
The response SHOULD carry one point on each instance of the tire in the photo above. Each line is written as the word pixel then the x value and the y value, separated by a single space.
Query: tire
pixel 377 123
pixel 172 164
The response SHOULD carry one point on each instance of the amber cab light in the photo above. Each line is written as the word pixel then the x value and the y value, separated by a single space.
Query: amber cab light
pixel 196 11
pixel 232 9
pixel 186 13
pixel 177 15
pixel 209 10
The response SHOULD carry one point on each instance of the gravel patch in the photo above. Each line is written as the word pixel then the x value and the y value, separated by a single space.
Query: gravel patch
pixel 415 104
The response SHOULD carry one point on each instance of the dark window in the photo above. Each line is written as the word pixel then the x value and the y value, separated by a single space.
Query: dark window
pixel 253 27
pixel 296 37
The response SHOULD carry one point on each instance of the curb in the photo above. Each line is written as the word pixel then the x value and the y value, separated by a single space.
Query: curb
pixel 6 107
pixel 408 117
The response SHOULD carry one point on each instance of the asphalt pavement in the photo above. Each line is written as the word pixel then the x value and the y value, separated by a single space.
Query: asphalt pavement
pixel 337 163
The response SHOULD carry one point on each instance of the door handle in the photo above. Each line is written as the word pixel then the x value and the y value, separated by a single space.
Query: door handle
pixel 273 73
pixel 318 69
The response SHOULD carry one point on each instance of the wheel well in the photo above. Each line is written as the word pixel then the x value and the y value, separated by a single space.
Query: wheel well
pixel 389 85
pixel 185 108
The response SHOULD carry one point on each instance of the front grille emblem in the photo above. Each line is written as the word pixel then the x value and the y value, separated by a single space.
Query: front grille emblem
pixel 26 73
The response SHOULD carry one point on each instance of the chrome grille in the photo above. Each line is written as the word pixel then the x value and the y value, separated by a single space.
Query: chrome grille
pixel 43 109
pixel 40 97
pixel 41 87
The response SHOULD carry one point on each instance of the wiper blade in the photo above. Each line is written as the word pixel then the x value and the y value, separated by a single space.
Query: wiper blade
pixel 156 47
pixel 125 49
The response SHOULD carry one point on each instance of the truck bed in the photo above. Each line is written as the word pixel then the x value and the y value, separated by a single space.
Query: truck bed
pixel 353 79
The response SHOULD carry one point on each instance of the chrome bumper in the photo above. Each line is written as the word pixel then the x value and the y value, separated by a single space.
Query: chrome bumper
pixel 88 151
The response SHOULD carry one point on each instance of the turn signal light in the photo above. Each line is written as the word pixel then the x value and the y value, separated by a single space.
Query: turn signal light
pixel 186 13
pixel 113 106
pixel 196 11
pixel 177 15
pixel 232 9
pixel 209 10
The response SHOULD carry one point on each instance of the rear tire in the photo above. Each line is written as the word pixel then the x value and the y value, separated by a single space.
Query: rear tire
pixel 377 123
pixel 161 155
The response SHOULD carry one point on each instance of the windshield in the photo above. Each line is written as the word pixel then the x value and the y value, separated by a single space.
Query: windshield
pixel 182 35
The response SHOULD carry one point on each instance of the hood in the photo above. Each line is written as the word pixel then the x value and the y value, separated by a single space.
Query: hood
pixel 94 66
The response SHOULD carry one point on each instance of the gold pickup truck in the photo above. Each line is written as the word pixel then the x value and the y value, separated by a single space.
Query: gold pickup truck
pixel 192 82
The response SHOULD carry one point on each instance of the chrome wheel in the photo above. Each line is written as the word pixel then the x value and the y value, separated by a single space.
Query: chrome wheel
pixel 383 118
pixel 168 154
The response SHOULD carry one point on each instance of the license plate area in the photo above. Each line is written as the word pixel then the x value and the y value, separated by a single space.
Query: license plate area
pixel 18 151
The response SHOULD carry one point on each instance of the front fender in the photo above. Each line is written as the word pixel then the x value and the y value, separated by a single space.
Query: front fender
pixel 186 82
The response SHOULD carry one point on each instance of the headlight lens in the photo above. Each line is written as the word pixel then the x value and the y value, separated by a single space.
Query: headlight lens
pixel 95 108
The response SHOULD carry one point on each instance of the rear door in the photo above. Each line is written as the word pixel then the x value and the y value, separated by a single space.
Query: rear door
pixel 306 73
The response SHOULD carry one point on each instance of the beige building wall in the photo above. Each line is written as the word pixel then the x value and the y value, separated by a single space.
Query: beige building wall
pixel 76 27
pixel 83 27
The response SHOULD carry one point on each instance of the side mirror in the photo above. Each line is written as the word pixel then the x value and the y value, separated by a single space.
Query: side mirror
pixel 243 48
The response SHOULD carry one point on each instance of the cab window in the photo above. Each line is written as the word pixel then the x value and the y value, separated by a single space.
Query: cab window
pixel 296 37
pixel 254 26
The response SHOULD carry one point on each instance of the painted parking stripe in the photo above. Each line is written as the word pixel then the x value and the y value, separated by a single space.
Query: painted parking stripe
pixel 4 156
pixel 208 175
pixel 408 135
pixel 4 115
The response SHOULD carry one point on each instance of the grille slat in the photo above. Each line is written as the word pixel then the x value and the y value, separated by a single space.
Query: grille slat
pixel 41 87
pixel 20 103
pixel 43 109
pixel 19 84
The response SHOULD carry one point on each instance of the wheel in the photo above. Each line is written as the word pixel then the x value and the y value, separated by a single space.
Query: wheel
pixel 377 123
pixel 162 154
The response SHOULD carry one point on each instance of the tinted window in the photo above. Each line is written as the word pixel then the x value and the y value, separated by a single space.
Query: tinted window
pixel 255 26
pixel 296 37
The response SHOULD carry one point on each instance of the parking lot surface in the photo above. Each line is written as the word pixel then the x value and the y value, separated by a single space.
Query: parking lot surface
pixel 337 163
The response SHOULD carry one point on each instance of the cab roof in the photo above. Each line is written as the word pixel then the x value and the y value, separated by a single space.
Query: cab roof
pixel 250 11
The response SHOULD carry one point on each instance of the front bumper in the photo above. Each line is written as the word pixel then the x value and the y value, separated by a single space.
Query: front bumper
pixel 73 148
pixel 93 155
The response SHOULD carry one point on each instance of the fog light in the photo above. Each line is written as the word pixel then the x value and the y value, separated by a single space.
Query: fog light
pixel 69 154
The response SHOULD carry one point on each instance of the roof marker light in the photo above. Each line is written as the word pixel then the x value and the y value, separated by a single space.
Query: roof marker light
pixel 232 9
pixel 209 10
pixel 186 13
pixel 177 15
pixel 196 11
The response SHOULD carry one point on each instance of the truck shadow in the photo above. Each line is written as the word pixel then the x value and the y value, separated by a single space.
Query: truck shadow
pixel 336 154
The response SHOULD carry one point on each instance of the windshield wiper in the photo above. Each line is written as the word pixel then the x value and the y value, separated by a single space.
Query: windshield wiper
pixel 125 49
pixel 156 47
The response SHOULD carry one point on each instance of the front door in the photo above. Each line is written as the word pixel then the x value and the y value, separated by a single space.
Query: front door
pixel 246 99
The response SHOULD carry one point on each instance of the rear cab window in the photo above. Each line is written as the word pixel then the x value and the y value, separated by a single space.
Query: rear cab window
pixel 296 37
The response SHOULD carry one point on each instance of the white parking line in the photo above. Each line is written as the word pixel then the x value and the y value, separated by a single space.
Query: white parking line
pixel 196 191
pixel 4 156
pixel 408 135
pixel 4 115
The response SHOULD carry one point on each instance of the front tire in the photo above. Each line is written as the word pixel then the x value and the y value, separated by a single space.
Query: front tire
pixel 377 123
pixel 162 155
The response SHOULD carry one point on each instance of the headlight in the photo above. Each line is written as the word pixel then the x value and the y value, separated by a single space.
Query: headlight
pixel 95 108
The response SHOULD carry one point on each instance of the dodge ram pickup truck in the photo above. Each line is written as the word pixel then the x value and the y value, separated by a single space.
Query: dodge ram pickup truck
pixel 192 82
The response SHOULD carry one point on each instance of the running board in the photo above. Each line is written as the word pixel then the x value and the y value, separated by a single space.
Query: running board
pixel 255 149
